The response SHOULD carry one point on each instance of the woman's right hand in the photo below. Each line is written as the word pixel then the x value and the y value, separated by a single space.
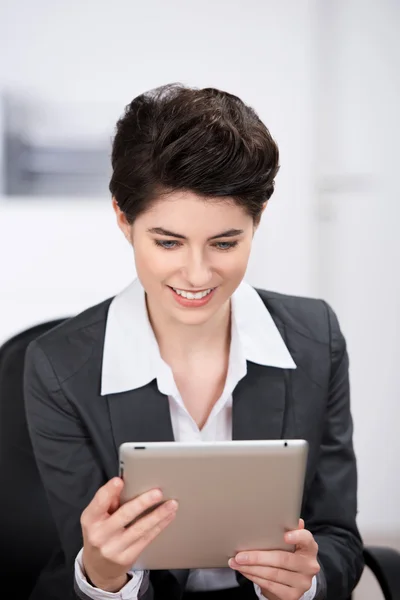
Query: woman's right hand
pixel 110 547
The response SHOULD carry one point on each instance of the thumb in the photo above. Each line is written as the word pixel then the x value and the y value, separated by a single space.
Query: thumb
pixel 116 501
pixel 105 499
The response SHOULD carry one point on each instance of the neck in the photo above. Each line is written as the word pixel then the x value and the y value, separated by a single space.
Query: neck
pixel 178 341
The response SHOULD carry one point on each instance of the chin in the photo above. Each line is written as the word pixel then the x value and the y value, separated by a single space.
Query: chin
pixel 195 316
pixel 194 319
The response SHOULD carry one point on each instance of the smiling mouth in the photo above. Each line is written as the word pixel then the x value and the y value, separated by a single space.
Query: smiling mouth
pixel 192 295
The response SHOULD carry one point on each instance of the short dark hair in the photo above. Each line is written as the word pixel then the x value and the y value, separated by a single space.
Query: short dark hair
pixel 203 140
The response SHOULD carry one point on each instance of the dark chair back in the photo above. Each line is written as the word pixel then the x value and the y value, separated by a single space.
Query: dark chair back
pixel 27 532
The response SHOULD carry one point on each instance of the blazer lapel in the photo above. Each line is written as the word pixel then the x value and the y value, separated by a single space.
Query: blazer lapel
pixel 259 404
pixel 260 401
pixel 140 415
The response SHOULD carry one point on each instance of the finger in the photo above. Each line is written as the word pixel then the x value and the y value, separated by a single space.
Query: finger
pixel 279 559
pixel 131 510
pixel 148 525
pixel 129 556
pixel 289 578
pixel 115 504
pixel 301 538
pixel 109 531
pixel 299 528
pixel 102 501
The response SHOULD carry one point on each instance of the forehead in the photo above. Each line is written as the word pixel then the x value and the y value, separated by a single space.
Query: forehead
pixel 187 213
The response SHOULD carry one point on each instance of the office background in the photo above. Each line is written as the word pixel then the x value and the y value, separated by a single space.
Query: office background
pixel 325 78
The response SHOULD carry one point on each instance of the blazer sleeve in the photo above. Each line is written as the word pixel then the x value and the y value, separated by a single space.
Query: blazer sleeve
pixel 66 458
pixel 331 506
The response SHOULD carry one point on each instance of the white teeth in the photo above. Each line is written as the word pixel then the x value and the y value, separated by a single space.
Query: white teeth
pixel 191 296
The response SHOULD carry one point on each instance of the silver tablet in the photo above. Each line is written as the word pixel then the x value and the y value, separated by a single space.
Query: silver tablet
pixel 233 496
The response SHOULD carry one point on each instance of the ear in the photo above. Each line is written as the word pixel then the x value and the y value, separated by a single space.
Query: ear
pixel 122 221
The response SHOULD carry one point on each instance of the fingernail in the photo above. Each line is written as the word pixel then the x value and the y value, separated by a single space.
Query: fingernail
pixel 156 495
pixel 117 482
pixel 172 505
pixel 242 558
pixel 290 537
pixel 231 563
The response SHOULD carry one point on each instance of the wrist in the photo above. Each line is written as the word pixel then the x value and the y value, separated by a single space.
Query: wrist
pixel 97 580
pixel 108 585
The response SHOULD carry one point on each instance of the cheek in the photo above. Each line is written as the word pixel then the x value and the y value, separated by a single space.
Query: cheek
pixel 236 262
pixel 153 263
pixel 145 261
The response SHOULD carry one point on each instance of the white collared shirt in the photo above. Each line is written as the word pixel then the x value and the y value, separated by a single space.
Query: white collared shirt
pixel 131 359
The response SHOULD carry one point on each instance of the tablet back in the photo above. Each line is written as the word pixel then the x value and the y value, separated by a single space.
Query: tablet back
pixel 233 496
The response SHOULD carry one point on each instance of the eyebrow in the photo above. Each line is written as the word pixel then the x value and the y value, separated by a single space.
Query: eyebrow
pixel 224 234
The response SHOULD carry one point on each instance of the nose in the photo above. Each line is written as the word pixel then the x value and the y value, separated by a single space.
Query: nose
pixel 197 270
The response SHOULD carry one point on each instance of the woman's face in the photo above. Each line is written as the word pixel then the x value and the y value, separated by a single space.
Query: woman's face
pixel 190 254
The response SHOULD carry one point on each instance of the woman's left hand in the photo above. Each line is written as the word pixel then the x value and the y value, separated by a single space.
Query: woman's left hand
pixel 282 575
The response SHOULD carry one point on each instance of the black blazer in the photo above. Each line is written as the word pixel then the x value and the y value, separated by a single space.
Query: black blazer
pixel 76 433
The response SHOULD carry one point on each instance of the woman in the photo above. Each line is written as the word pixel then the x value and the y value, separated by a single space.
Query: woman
pixel 190 352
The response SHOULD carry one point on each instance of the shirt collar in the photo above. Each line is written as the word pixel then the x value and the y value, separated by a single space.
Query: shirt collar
pixel 131 356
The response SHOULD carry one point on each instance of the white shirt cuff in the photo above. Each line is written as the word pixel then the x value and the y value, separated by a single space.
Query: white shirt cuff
pixel 309 595
pixel 130 591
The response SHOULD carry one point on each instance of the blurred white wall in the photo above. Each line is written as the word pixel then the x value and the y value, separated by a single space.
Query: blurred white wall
pixel 325 79
pixel 359 244
pixel 64 256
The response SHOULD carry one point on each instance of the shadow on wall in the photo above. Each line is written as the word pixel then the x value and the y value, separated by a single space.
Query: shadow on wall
pixel 55 150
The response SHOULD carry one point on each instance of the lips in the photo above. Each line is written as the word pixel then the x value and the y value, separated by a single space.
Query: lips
pixel 193 295
pixel 189 299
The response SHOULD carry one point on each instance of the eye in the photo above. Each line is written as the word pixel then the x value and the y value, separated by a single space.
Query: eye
pixel 225 245
pixel 167 244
